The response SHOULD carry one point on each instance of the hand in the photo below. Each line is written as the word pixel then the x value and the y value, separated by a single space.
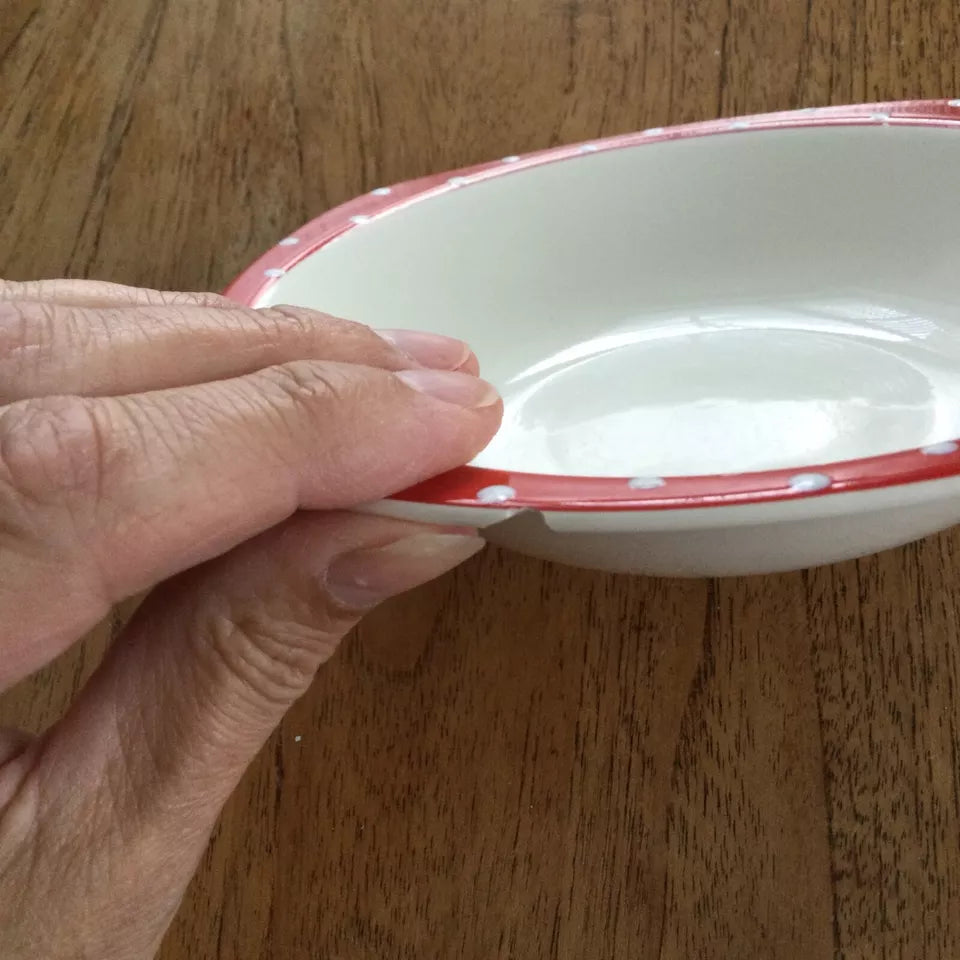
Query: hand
pixel 181 440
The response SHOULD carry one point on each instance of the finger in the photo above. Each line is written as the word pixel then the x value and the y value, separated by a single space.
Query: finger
pixel 14 761
pixel 12 743
pixel 99 293
pixel 157 741
pixel 105 498
pixel 48 347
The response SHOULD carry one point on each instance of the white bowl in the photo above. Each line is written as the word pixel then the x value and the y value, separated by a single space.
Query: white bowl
pixel 726 348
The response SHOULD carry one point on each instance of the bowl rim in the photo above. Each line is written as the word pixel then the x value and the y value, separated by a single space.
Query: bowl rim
pixel 484 487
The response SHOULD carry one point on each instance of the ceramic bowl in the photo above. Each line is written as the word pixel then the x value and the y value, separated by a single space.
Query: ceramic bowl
pixel 725 348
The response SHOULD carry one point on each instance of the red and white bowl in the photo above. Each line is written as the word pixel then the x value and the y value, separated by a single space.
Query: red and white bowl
pixel 726 348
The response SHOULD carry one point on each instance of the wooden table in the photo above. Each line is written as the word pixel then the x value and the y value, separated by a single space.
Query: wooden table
pixel 523 761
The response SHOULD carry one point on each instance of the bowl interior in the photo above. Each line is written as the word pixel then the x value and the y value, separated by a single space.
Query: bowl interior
pixel 723 304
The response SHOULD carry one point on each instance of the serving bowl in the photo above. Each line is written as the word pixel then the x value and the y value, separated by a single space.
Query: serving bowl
pixel 724 348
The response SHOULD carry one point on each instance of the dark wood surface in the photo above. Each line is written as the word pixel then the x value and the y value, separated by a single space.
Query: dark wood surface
pixel 522 761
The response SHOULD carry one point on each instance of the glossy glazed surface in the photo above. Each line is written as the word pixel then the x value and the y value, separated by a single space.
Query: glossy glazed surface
pixel 734 303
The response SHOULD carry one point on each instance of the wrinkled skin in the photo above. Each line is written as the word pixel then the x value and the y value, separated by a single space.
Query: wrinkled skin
pixel 206 452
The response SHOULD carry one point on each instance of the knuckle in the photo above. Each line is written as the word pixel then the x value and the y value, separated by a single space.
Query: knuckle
pixel 310 323
pixel 52 449
pixel 274 653
pixel 199 299
pixel 309 385
pixel 281 321
pixel 26 330
pixel 315 330
pixel 13 332
pixel 37 336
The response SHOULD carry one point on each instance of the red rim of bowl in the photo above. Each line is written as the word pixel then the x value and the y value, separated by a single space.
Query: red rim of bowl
pixel 503 489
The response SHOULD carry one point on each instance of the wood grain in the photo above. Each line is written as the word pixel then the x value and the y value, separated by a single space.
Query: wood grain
pixel 522 761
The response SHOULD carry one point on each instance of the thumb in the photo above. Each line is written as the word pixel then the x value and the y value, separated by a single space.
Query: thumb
pixel 145 758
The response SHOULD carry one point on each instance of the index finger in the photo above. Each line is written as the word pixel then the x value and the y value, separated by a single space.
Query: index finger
pixel 106 497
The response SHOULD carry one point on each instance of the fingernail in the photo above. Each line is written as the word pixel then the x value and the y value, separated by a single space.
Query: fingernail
pixel 363 578
pixel 459 388
pixel 430 349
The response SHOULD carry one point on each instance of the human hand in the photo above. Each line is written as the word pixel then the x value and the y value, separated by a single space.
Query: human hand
pixel 181 440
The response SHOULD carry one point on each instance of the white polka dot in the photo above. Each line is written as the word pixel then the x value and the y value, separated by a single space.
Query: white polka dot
pixel 457 181
pixel 289 242
pixel 940 449
pixel 297 738
pixel 953 103
pixel 882 117
pixel 588 148
pixel 740 125
pixel 646 483
pixel 809 482
pixel 274 272
pixel 382 192
pixel 653 132
pixel 513 158
pixel 360 218
pixel 496 494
